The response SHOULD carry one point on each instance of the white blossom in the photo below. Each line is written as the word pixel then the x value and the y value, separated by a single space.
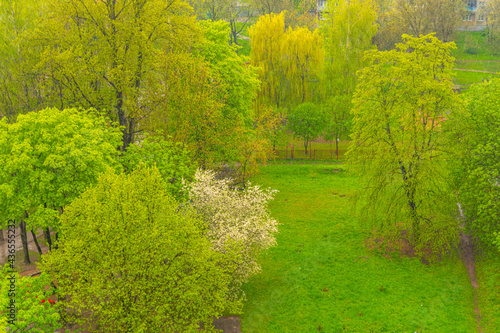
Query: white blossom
pixel 234 215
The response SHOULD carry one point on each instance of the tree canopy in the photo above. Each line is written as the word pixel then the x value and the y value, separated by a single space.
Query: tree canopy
pixel 479 167
pixel 306 121
pixel 402 104
pixel 101 54
pixel 128 261
pixel 349 27
pixel 47 158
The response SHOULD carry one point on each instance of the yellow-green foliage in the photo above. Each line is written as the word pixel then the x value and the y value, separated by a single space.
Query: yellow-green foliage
pixel 302 52
pixel 289 61
pixel 400 143
pixel 129 262
pixel 349 27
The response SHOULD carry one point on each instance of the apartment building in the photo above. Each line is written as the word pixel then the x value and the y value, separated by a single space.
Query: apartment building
pixel 475 19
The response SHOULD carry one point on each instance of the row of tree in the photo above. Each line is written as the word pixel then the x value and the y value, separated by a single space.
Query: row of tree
pixel 415 142
pixel 148 65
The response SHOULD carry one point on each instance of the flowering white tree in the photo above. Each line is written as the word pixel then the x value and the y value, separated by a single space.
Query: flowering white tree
pixel 235 217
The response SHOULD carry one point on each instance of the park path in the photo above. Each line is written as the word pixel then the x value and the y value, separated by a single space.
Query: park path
pixel 473 70
pixel 492 61
pixel 469 259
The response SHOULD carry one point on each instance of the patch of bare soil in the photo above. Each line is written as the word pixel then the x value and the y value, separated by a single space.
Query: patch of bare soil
pixel 402 245
pixel 22 268
pixel 229 324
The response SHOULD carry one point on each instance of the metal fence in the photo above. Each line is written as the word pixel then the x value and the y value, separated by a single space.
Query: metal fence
pixel 313 154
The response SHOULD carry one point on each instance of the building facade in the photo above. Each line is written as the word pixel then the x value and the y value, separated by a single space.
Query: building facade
pixel 475 19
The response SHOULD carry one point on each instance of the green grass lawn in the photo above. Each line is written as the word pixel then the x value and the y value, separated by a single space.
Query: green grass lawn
pixel 474 46
pixel 321 273
pixel 488 276
pixel 243 42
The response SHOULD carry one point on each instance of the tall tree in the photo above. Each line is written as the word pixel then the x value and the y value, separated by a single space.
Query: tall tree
pixel 302 59
pixel 129 262
pixel 100 54
pixel 237 13
pixel 420 17
pixel 47 158
pixel 400 142
pixel 240 79
pixel 290 61
pixel 266 37
pixel 479 190
pixel 338 118
pixel 267 7
pixel 349 27
pixel 19 91
pixel 189 104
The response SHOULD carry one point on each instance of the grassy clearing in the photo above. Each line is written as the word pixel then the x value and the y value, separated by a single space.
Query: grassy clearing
pixel 488 275
pixel 474 46
pixel 464 78
pixel 321 273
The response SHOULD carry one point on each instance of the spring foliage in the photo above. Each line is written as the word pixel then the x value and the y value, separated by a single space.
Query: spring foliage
pixel 234 217
pixel 480 165
pixel 34 311
pixel 349 27
pixel 49 157
pixel 401 106
pixel 290 61
pixel 306 121
pixel 129 262
pixel 172 160
pixel 102 54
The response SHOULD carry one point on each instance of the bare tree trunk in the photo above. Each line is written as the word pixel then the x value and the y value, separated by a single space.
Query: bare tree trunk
pixel 36 241
pixel 46 232
pixel 24 240
pixel 337 147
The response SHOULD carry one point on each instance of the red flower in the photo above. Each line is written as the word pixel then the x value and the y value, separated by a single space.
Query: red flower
pixel 51 301
pixel 43 301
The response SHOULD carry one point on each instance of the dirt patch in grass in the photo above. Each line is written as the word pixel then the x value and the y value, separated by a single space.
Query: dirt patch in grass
pixel 379 244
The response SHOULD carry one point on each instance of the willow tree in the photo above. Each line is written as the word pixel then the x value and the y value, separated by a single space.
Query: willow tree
pixel 266 37
pixel 100 54
pixel 348 28
pixel 290 61
pixel 303 56
pixel 400 144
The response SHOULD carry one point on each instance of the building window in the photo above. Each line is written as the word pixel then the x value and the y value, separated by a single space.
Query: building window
pixel 467 17
pixel 480 17
pixel 472 3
